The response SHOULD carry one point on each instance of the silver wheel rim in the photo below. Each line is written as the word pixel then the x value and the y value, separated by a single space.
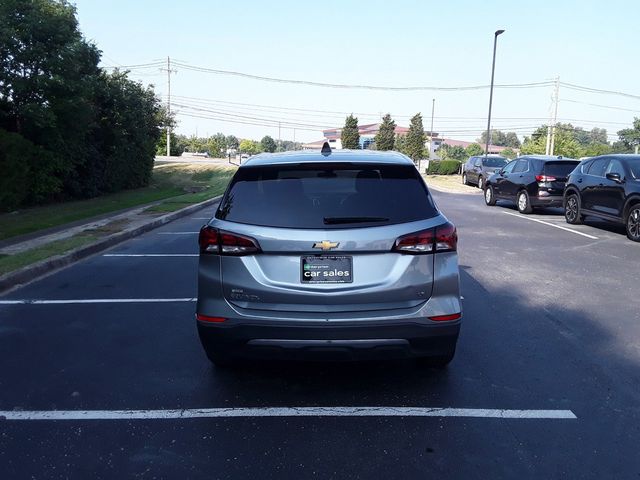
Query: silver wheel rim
pixel 464 178
pixel 480 183
pixel 571 211
pixel 633 224
pixel 522 201
pixel 487 195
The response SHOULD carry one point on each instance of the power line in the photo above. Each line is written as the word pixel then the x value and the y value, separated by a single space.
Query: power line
pixel 601 106
pixel 581 88
pixel 354 86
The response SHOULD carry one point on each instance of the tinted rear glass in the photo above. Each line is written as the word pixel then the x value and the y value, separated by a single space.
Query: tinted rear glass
pixel 322 196
pixel 635 169
pixel 559 169
pixel 495 162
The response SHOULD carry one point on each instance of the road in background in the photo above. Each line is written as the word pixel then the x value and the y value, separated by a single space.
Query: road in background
pixel 550 323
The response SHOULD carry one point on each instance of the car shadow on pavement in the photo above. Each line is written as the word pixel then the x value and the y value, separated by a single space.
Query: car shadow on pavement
pixel 510 354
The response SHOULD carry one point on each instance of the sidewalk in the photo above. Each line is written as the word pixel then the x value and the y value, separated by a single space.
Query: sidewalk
pixel 34 255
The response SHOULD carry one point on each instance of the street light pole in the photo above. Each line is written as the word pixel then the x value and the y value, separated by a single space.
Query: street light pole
pixel 493 69
pixel 433 107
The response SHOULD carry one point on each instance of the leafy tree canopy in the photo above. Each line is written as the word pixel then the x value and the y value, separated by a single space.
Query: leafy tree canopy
pixel 350 136
pixel 386 136
pixel 415 138
pixel 268 144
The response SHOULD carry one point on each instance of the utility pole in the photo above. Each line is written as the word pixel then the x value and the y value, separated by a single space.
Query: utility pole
pixel 169 72
pixel 433 107
pixel 556 99
pixel 493 69
pixel 279 138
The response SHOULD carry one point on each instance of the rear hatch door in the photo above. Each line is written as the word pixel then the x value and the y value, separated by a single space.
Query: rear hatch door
pixel 326 233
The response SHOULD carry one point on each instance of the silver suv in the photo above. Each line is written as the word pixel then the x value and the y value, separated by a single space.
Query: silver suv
pixel 339 255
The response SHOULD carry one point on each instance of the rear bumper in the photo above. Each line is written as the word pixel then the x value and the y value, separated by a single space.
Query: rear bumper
pixel 322 341
pixel 547 201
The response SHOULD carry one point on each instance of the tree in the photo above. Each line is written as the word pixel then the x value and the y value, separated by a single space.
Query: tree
pixel 630 137
pixel 474 150
pixel 350 137
pixel 400 144
pixel 415 138
pixel 385 138
pixel 232 142
pixel 268 144
pixel 501 139
pixel 67 128
pixel 565 143
pixel 456 152
pixel 250 146
pixel 509 153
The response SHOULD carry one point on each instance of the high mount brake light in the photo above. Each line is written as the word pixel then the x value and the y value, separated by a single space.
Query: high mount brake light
pixel 443 238
pixel 545 178
pixel 214 241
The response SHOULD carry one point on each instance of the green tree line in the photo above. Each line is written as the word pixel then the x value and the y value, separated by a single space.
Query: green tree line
pixel 68 129
pixel 217 145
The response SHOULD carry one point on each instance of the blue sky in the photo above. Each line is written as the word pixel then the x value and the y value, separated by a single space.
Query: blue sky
pixel 395 43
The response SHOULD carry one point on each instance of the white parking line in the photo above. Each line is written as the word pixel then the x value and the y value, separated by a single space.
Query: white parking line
pixel 177 233
pixel 285 412
pixel 517 215
pixel 96 300
pixel 150 255
pixel 200 218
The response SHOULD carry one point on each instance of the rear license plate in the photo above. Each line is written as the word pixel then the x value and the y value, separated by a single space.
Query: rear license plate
pixel 326 269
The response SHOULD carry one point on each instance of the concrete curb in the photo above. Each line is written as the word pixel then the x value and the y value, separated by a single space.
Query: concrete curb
pixel 32 272
pixel 447 190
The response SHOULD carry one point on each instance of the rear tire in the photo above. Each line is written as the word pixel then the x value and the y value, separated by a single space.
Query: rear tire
pixel 572 210
pixel 489 196
pixel 523 203
pixel 481 183
pixel 632 223
pixel 464 179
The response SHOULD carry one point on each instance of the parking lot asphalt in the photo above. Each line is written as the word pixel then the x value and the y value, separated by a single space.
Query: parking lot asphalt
pixel 551 324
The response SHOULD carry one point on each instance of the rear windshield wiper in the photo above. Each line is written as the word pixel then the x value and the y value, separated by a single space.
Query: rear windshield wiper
pixel 339 220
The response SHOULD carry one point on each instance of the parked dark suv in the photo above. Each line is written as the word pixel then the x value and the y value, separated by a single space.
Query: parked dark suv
pixel 477 169
pixel 607 187
pixel 531 181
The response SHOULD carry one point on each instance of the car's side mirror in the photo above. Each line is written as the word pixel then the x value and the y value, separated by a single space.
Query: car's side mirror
pixel 615 177
pixel 501 172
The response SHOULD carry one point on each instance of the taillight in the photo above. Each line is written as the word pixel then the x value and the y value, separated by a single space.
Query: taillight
pixel 207 318
pixel 446 318
pixel 443 238
pixel 545 178
pixel 216 241
pixel 446 238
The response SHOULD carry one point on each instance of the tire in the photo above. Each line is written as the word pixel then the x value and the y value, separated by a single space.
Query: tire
pixel 440 362
pixel 464 179
pixel 523 203
pixel 481 183
pixel 572 210
pixel 632 223
pixel 489 196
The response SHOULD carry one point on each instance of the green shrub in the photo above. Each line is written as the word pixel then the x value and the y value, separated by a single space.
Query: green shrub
pixel 443 167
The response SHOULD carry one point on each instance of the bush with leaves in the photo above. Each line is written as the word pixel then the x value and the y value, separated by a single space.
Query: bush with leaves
pixel 443 167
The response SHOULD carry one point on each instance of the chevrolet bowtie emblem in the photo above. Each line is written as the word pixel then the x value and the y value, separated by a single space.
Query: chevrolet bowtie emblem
pixel 325 245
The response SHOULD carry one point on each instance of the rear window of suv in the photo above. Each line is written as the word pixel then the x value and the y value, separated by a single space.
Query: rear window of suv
pixel 495 162
pixel 559 169
pixel 325 196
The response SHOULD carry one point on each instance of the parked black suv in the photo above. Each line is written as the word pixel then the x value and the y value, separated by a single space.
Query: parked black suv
pixel 531 181
pixel 477 169
pixel 607 187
